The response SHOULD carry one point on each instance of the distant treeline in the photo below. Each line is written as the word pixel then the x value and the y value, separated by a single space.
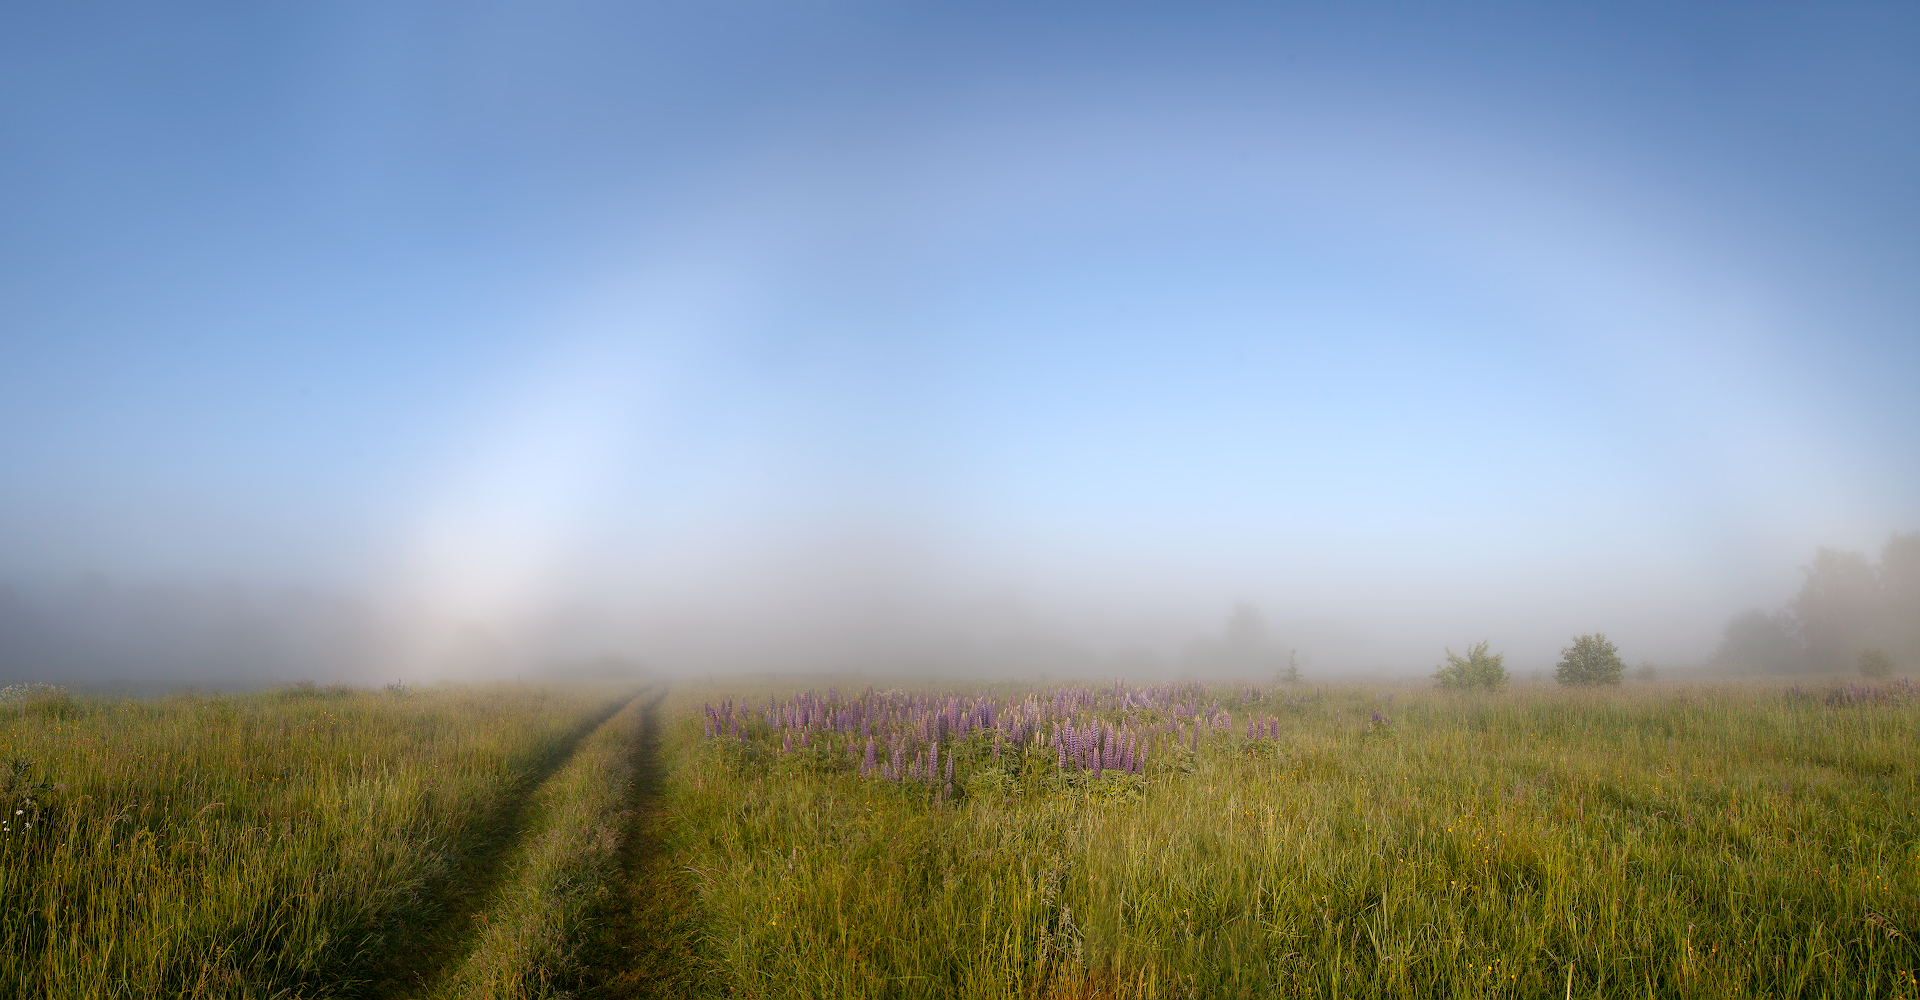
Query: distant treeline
pixel 1851 614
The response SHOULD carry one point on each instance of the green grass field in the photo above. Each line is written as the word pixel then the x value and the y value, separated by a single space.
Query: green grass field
pixel 1654 840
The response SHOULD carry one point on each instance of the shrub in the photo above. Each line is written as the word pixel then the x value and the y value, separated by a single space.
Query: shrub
pixel 1478 669
pixel 1590 660
pixel 1291 673
pixel 1875 663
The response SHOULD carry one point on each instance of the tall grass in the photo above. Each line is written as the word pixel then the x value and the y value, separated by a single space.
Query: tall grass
pixel 561 870
pixel 1656 841
pixel 257 845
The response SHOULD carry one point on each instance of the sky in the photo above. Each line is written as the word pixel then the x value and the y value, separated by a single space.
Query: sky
pixel 395 338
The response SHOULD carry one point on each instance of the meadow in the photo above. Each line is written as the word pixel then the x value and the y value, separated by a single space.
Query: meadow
pixel 841 840
pixel 304 842
pixel 1179 841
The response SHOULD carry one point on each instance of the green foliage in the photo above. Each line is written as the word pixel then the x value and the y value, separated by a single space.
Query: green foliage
pixel 1875 663
pixel 1478 670
pixel 1591 660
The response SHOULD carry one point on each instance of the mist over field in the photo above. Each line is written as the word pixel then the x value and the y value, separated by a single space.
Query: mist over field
pixel 434 342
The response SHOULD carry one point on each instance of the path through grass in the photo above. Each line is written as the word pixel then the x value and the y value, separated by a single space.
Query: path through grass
pixel 435 939
pixel 646 942
pixel 304 842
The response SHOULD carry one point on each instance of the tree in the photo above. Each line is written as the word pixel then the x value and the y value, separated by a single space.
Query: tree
pixel 1837 608
pixel 1243 647
pixel 1764 643
pixel 1590 660
pixel 1900 598
pixel 1290 674
pixel 1875 663
pixel 1479 669
pixel 1846 605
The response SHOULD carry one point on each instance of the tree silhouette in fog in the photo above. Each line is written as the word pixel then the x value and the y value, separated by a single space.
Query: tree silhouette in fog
pixel 1847 606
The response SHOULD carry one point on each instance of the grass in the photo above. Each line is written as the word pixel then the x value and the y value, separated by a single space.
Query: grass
pixel 296 843
pixel 1653 841
pixel 516 842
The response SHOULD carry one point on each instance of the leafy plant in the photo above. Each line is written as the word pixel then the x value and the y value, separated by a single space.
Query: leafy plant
pixel 1590 660
pixel 1875 663
pixel 1478 670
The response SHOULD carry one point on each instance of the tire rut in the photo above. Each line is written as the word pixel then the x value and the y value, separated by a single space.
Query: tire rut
pixel 420 949
pixel 649 940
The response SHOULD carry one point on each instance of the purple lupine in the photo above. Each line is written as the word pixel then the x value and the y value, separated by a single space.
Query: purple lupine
pixel 787 743
pixel 866 765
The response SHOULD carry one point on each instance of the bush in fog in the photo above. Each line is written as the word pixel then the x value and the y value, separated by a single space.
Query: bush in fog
pixel 1875 663
pixel 1478 670
pixel 1289 674
pixel 1590 660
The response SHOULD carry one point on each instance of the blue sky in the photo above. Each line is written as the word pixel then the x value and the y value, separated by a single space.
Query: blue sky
pixel 1411 326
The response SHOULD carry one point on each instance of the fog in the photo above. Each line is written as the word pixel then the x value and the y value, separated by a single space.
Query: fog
pixel 429 343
